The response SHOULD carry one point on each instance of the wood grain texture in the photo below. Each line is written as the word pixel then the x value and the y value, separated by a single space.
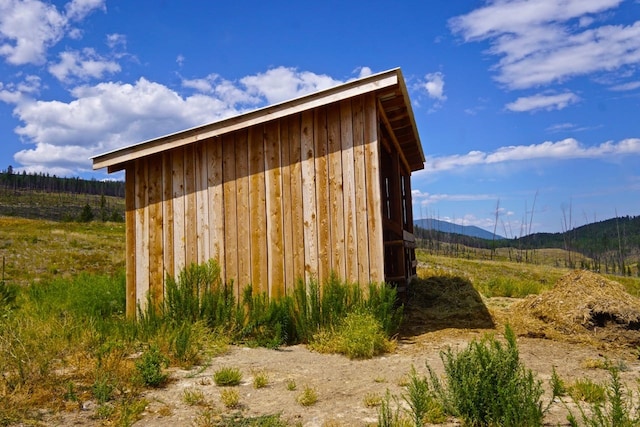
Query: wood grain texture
pixel 360 179
pixel 257 210
pixel 156 264
pixel 336 199
pixel 287 207
pixel 191 225
pixel 242 208
pixel 202 203
pixel 297 198
pixel 274 218
pixel 142 232
pixel 320 143
pixel 167 214
pixel 374 198
pixel 230 209
pixel 309 203
pixel 349 192
pixel 130 240
pixel 216 203
pixel 179 238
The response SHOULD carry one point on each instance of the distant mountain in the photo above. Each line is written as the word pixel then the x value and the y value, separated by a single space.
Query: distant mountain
pixel 448 227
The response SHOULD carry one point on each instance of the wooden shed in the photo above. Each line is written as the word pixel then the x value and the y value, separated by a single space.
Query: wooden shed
pixel 295 190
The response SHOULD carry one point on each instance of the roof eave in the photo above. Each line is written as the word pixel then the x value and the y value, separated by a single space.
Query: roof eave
pixel 115 160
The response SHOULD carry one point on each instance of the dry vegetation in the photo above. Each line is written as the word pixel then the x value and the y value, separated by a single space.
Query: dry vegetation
pixel 572 322
pixel 38 250
pixel 582 307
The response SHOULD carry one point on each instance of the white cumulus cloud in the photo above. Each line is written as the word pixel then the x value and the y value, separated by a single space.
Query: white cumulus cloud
pixel 434 85
pixel 28 28
pixel 111 115
pixel 565 149
pixel 82 65
pixel 543 102
pixel 537 42
pixel 283 83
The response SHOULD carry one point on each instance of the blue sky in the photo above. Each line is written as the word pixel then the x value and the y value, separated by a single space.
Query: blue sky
pixel 526 108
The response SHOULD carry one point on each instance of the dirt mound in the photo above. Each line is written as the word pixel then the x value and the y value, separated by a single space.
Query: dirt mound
pixel 581 307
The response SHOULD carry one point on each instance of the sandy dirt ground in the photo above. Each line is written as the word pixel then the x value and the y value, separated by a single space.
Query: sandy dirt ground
pixel 342 384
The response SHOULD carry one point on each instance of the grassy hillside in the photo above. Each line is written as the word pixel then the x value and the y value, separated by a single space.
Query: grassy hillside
pixel 611 246
pixel 38 250
pixel 59 206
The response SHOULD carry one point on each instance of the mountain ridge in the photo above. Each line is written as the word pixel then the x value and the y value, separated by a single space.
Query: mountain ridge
pixel 449 227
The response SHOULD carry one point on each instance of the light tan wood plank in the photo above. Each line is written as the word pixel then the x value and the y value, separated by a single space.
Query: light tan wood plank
pixel 142 233
pixel 230 211
pixel 216 203
pixel 156 265
pixel 309 198
pixel 349 192
pixel 274 217
pixel 287 207
pixel 336 201
pixel 179 238
pixel 167 214
pixel 191 225
pixel 362 227
pixel 242 203
pixel 202 203
pixel 130 239
pixel 297 202
pixel 320 142
pixel 257 211
pixel 374 197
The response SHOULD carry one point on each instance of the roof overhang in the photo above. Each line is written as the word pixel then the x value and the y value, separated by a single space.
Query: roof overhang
pixel 389 87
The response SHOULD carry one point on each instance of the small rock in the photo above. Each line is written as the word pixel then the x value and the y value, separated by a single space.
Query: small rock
pixel 88 405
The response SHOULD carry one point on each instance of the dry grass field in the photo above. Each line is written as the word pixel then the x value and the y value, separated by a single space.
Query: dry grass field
pixel 37 250
pixel 568 323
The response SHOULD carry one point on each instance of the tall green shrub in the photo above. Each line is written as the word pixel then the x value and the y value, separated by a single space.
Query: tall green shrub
pixel 486 384
pixel 199 294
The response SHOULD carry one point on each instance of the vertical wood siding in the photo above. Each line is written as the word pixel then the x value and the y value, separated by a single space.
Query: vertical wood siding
pixel 294 198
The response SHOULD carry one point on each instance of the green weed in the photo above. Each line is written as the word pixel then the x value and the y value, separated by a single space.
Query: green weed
pixel 291 384
pixel 486 384
pixel 103 387
pixel 308 397
pixel 615 409
pixel 359 336
pixel 588 391
pixel 422 403
pixel 150 367
pixel 260 379
pixel 227 376
pixel 193 396
pixel 558 387
pixel 372 400
pixel 230 397
pixel 389 414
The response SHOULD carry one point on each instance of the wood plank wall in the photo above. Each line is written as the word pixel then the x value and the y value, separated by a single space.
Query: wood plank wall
pixel 294 198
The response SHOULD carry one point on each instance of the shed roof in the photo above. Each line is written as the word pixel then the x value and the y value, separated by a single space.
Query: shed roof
pixel 390 90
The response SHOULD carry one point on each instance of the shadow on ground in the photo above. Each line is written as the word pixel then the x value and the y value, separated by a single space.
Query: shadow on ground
pixel 443 302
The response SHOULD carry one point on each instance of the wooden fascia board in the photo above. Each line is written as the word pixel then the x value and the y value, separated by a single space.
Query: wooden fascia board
pixel 115 160
pixel 412 118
